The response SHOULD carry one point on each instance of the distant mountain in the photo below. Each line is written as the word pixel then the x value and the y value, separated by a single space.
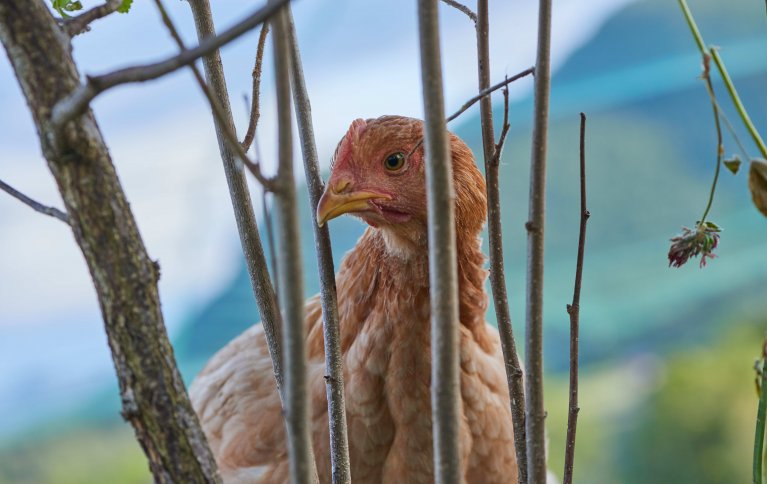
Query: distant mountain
pixel 651 155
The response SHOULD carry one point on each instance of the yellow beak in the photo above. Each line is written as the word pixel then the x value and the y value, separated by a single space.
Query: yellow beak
pixel 334 204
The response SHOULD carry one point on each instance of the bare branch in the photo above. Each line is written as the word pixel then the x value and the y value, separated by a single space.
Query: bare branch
pixel 536 414
pixel 443 271
pixel 267 214
pixel 302 464
pixel 574 311
pixel 231 137
pixel 255 108
pixel 77 102
pixel 334 380
pixel 37 206
pixel 504 129
pixel 240 196
pixel 81 24
pixel 463 8
pixel 489 90
pixel 492 154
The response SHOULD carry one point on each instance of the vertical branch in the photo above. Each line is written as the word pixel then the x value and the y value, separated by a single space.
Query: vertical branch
pixel 240 195
pixel 495 235
pixel 536 415
pixel 302 465
pixel 334 376
pixel 761 414
pixel 445 388
pixel 573 310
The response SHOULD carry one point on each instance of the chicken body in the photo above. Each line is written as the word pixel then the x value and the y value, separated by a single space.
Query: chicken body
pixel 384 311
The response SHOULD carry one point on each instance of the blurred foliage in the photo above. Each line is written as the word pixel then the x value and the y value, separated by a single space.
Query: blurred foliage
pixel 698 426
pixel 108 454
pixel 688 419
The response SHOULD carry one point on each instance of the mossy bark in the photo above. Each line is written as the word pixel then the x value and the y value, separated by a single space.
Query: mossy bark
pixel 125 278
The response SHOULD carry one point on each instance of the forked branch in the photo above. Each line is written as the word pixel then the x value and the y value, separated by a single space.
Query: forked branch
pixel 492 155
pixel 77 102
pixel 254 167
pixel 81 24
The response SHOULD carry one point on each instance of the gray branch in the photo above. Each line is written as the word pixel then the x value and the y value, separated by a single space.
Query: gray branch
pixel 240 195
pixel 302 465
pixel 334 381
pixel 36 206
pixel 79 99
pixel 536 414
pixel 492 156
pixel 443 271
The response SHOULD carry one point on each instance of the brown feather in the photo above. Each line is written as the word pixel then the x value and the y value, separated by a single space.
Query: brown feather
pixel 383 303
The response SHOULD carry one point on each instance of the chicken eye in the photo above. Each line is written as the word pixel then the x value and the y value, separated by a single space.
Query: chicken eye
pixel 394 161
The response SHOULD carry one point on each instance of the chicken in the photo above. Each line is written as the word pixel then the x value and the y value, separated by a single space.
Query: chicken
pixel 383 306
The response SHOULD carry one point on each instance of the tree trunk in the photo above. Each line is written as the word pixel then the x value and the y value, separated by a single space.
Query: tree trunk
pixel 153 394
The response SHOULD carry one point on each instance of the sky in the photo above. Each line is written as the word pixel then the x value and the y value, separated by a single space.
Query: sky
pixel 360 59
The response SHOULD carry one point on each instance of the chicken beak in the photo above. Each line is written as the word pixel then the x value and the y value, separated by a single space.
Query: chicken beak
pixel 333 204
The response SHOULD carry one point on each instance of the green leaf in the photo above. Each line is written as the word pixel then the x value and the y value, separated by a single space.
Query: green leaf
pixel 125 6
pixel 73 6
pixel 64 6
pixel 733 164
pixel 711 225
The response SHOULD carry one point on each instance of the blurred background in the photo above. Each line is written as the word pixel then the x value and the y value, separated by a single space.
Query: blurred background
pixel 667 392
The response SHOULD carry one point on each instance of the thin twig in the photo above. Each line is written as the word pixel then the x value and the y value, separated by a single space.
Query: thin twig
pixel 504 129
pixel 81 23
pixel 244 215
pixel 77 102
pixel 536 414
pixel 760 421
pixel 492 154
pixel 334 381
pixel 574 311
pixel 231 138
pixel 255 109
pixel 37 206
pixel 719 146
pixel 473 100
pixel 463 8
pixel 443 271
pixel 489 90
pixel 267 211
pixel 302 464
pixel 731 130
